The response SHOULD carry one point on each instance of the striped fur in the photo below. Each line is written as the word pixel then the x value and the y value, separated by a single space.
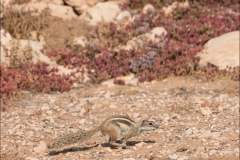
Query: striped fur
pixel 114 126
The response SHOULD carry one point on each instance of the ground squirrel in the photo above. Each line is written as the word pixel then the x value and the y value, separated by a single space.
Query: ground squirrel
pixel 114 126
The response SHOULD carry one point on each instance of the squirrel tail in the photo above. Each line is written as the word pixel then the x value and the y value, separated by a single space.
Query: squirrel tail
pixel 79 137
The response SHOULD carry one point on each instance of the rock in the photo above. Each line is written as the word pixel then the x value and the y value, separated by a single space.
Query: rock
pixel 129 80
pixel 208 133
pixel 31 158
pixel 36 51
pixel 173 156
pixel 64 12
pixel 31 51
pixel 168 10
pixel 189 131
pixel 128 159
pixel 41 147
pixel 23 143
pixel 102 12
pixel 144 116
pixel 181 149
pixel 206 111
pixel 107 95
pixel 175 116
pixel 220 108
pixel 227 152
pixel 80 41
pixel 204 155
pixel 221 51
pixel 5 37
pixel 108 83
pixel 212 152
pixel 79 6
pixel 166 117
pixel 125 152
pixel 5 3
pixel 101 152
pixel 148 8
pixel 10 131
pixel 140 144
pixel 183 158
pixel 223 97
pixel 49 112
pixel 113 106
pixel 74 114
pixel 109 149
pixel 1 14
pixel 236 150
pixel 123 15
pixel 58 2
pixel 135 43
pixel 135 115
pixel 156 34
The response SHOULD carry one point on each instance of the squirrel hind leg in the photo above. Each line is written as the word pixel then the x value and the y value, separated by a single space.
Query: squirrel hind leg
pixel 112 141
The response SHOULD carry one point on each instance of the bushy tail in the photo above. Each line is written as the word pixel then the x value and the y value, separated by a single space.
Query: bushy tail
pixel 79 137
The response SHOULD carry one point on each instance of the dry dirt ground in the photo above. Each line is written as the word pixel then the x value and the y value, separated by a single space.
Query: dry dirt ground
pixel 198 120
pixel 60 34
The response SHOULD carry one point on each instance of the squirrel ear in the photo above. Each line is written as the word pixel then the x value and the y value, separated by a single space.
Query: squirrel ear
pixel 143 121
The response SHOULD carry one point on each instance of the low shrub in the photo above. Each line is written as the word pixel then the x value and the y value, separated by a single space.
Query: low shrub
pixel 33 76
pixel 11 81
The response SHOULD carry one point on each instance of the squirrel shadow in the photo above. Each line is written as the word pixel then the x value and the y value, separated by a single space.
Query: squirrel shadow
pixel 72 149
pixel 129 143
pixel 76 149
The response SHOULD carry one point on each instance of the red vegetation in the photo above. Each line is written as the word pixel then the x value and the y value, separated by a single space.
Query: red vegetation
pixel 32 77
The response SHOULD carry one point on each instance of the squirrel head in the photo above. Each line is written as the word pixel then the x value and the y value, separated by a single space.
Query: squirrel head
pixel 147 125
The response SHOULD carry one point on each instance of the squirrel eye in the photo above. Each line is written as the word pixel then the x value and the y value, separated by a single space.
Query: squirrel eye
pixel 150 124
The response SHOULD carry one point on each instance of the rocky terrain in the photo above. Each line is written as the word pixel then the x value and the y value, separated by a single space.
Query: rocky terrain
pixel 198 120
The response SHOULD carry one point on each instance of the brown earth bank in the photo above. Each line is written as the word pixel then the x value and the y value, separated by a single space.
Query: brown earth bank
pixel 198 120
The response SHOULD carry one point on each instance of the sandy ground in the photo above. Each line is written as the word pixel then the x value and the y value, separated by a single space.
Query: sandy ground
pixel 198 120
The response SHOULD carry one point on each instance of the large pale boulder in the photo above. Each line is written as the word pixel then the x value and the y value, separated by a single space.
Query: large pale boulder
pixel 92 3
pixel 81 5
pixel 58 2
pixel 5 39
pixel 23 49
pixel 121 2
pixel 221 51
pixel 60 11
pixel 1 12
pixel 9 2
pixel 78 5
pixel 30 51
pixel 5 2
pixel 101 12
